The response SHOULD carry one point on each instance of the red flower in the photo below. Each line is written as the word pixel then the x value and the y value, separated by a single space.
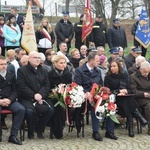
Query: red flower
pixel 105 96
pixel 68 102
pixel 112 106
pixel 73 84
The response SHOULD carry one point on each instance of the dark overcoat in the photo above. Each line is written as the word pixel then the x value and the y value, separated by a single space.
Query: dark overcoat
pixel 63 31
pixel 98 35
pixel 78 36
pixel 116 37
pixel 126 104
pixel 31 81
pixel 86 79
pixel 8 88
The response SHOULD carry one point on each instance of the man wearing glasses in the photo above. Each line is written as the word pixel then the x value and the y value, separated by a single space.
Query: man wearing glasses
pixel 33 85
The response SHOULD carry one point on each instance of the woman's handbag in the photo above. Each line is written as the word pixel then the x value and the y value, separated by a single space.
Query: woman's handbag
pixel 41 108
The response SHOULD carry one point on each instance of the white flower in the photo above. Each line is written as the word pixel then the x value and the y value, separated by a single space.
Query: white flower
pixel 112 112
pixel 112 98
pixel 106 104
pixel 101 109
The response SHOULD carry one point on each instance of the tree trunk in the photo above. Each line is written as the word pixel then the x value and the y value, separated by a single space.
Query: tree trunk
pixel 67 5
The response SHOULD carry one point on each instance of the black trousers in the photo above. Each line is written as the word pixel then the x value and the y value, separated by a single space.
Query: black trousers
pixel 18 112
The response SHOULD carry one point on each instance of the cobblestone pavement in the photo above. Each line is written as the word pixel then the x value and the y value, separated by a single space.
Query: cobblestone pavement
pixel 71 142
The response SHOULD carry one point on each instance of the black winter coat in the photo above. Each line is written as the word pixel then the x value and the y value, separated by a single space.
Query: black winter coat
pixel 126 104
pixel 63 31
pixel 116 37
pixel 98 35
pixel 8 88
pixel 39 35
pixel 78 36
pixel 58 120
pixel 31 81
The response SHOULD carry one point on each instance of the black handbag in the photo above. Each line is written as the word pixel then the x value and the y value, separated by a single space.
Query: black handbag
pixel 41 108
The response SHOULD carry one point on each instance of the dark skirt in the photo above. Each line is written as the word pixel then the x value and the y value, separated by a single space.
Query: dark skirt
pixel 126 105
pixel 57 122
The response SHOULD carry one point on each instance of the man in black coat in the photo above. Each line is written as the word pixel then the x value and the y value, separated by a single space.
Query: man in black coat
pixel 33 85
pixel 116 35
pixel 64 31
pixel 19 18
pixel 78 34
pixel 85 76
pixel 98 35
pixel 8 100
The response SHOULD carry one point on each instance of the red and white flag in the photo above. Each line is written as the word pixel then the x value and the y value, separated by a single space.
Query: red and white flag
pixel 87 21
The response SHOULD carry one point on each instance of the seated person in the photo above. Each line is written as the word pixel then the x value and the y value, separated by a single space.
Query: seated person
pixel 75 57
pixel 59 74
pixel 8 96
pixel 118 83
pixel 140 85
pixel 33 85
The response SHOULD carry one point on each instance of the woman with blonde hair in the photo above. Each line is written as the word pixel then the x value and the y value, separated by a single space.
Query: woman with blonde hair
pixel 44 36
pixel 59 74
pixel 75 57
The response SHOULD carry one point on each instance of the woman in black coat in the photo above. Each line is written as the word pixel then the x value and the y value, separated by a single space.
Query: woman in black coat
pixel 118 83
pixel 59 74
pixel 44 36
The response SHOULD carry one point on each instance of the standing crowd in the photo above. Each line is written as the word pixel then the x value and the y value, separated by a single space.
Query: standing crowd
pixel 27 79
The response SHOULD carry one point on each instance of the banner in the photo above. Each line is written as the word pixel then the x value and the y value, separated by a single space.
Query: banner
pixel 87 21
pixel 28 41
pixel 143 29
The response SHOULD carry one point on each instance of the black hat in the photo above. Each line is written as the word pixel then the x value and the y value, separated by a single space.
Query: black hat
pixel 116 20
pixel 98 16
pixel 114 50
pixel 11 16
pixel 65 13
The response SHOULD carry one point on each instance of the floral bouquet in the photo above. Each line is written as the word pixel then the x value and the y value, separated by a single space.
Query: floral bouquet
pixel 74 95
pixel 58 93
pixel 103 102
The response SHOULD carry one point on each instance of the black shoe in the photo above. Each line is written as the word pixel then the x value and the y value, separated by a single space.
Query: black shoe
pixel 131 133
pixel 40 135
pixel 111 135
pixel 97 136
pixel 0 138
pixel 13 139
pixel 142 120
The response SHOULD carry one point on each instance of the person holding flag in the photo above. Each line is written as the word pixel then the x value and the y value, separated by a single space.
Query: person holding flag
pixel 87 22
pixel 28 41
pixel 141 31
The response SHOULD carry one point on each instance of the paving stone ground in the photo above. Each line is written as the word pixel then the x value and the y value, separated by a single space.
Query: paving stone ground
pixel 71 142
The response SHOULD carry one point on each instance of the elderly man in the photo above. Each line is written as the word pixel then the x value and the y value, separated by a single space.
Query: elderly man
pixel 140 84
pixel 85 76
pixel 8 100
pixel 100 50
pixel 33 85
